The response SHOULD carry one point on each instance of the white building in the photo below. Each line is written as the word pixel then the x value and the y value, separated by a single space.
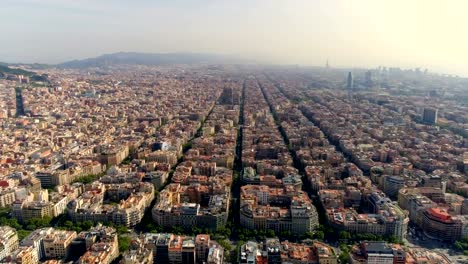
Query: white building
pixel 8 241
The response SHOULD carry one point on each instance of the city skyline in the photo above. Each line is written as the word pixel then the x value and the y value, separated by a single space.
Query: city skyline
pixel 246 131
pixel 217 163
pixel 363 33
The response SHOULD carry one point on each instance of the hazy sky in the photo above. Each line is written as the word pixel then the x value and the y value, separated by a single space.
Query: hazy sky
pixel 406 33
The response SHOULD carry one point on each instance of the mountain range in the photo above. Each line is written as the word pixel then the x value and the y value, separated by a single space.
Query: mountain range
pixel 150 59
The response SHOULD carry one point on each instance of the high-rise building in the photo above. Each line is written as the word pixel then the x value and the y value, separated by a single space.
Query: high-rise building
pixel 162 247
pixel 369 81
pixel 430 115
pixel 273 250
pixel 350 82
pixel 202 246
pixel 392 185
pixel 188 251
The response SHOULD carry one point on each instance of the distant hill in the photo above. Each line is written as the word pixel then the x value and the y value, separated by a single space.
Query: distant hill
pixel 33 77
pixel 7 70
pixel 150 59
pixel 30 66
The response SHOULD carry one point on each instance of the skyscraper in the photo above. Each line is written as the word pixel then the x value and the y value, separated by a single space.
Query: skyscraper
pixel 350 82
pixel 430 115
pixel 369 81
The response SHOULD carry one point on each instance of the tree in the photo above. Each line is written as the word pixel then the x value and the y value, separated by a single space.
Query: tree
pixel 320 235
pixel 156 229
pixel 224 231
pixel 235 253
pixel 86 179
pixel 393 239
pixel 368 236
pixel 343 247
pixel 285 234
pixel 226 244
pixel 124 243
pixel 23 233
pixel 345 235
pixel 31 227
pixel 344 257
pixel 196 230
pixel 12 222
pixel 86 225
pixel 35 223
pixel 270 233
pixel 121 229
pixel 177 230
pixel 68 224
pixel 309 235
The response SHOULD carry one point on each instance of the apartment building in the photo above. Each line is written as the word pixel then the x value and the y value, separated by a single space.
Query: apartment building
pixel 8 241
pixel 57 243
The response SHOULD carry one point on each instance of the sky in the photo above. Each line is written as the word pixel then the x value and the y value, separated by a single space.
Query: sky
pixel 349 33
